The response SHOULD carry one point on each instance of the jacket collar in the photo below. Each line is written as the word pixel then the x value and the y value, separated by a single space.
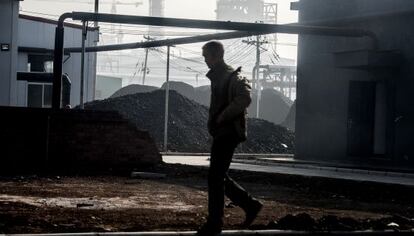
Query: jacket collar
pixel 216 70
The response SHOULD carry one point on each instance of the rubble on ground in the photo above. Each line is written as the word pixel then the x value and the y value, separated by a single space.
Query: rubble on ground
pixel 102 203
pixel 328 223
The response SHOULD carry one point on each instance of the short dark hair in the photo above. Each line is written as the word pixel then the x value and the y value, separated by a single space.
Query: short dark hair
pixel 215 48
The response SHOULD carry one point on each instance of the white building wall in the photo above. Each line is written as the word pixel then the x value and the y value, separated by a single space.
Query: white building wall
pixel 38 34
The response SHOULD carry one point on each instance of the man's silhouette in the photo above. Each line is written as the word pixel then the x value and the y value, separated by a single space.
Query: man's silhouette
pixel 230 97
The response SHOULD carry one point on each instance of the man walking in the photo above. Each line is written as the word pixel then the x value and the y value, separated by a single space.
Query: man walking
pixel 230 97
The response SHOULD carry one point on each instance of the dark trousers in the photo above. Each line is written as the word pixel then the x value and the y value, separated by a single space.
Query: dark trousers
pixel 219 183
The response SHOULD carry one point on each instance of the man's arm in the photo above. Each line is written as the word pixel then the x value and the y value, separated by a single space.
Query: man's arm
pixel 240 102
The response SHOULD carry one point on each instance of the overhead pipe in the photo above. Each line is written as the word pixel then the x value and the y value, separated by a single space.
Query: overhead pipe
pixel 249 30
pixel 224 25
pixel 186 23
pixel 165 42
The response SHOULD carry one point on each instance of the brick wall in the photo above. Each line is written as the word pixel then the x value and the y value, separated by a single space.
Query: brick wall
pixel 41 139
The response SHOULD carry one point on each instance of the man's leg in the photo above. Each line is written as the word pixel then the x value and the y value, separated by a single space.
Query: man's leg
pixel 240 197
pixel 236 193
pixel 221 154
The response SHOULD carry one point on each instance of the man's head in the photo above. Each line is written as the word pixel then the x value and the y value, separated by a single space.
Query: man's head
pixel 213 53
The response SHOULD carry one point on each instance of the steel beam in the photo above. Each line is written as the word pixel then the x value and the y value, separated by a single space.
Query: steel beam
pixel 165 42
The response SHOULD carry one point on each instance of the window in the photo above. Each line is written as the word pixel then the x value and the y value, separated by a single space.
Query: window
pixel 40 63
pixel 48 66
pixel 39 95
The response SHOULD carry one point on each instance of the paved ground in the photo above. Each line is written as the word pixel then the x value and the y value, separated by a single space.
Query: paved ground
pixel 289 167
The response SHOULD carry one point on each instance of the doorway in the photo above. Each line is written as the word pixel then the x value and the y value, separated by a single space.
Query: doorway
pixel 361 118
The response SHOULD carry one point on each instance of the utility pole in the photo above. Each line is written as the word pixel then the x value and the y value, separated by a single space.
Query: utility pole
pixel 256 71
pixel 167 91
pixel 145 66
pixel 259 89
pixel 148 38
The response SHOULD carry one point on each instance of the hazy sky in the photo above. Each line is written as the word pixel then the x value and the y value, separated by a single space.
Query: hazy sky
pixel 195 9
pixel 130 61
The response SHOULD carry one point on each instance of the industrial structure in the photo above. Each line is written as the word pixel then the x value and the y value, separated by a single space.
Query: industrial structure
pixel 249 11
pixel 354 96
pixel 272 72
pixel 125 65
pixel 281 77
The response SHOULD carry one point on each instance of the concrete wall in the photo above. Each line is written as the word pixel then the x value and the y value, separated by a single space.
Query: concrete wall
pixel 314 10
pixel 323 88
pixel 9 10
pixel 42 35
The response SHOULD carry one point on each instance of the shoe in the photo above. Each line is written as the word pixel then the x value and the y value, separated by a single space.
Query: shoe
pixel 209 229
pixel 251 212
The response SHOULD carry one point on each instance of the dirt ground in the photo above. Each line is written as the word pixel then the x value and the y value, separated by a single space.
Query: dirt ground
pixel 117 202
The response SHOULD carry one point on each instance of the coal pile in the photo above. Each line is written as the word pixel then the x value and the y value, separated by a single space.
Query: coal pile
pixel 146 111
pixel 132 89
pixel 274 106
pixel 266 137
pixel 200 94
pixel 182 88
pixel 187 127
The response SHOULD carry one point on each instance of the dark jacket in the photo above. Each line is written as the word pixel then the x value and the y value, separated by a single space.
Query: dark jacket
pixel 230 97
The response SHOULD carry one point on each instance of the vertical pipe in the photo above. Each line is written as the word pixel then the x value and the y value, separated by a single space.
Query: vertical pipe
pixel 167 91
pixel 82 77
pixel 275 35
pixel 57 67
pixel 96 11
pixel 95 59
